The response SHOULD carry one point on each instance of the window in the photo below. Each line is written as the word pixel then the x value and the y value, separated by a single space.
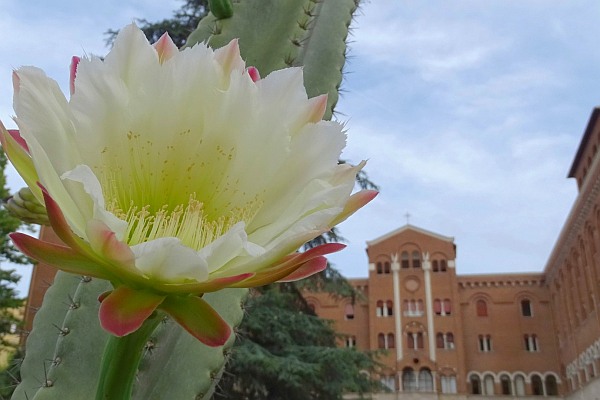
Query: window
pixel 485 343
pixel 389 308
pixel 389 382
pixel 386 267
pixel 409 380
pixel 442 307
pixel 404 259
pixel 349 311
pixel 425 382
pixel 444 340
pixel 351 341
pixel 413 308
pixel 416 259
pixel 505 385
pixel 386 341
pixel 379 268
pixel 481 307
pixel 536 385
pixel 526 310
pixel 448 384
pixel 381 341
pixel 531 343
pixel 520 385
pixel 551 386
pixel 439 340
pixel 449 340
pixel 475 384
pixel 414 340
pixel 435 266
pixel 488 384
pixel 390 341
pixel 443 265
pixel 379 309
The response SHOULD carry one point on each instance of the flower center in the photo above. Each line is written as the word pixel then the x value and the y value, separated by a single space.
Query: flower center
pixel 189 222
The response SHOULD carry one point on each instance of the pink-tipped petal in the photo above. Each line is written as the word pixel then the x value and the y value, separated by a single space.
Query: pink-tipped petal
pixel 198 318
pixel 354 203
pixel 318 107
pixel 73 73
pixel 60 225
pixel 57 256
pixel 105 242
pixel 203 287
pixel 16 135
pixel 124 310
pixel 229 57
pixel 253 74
pixel 307 269
pixel 288 265
pixel 165 47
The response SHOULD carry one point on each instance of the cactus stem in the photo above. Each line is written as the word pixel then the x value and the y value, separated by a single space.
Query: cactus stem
pixel 121 359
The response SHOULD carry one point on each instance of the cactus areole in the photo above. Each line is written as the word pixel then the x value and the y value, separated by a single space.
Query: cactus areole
pixel 175 173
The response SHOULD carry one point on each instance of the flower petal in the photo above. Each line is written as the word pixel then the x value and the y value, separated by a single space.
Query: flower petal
pixel 105 242
pixel 203 287
pixel 167 259
pixel 17 151
pixel 165 48
pixel 197 317
pixel 307 269
pixel 58 256
pixel 124 310
pixel 354 203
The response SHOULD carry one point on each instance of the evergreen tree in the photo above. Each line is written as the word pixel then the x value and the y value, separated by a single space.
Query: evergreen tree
pixel 9 301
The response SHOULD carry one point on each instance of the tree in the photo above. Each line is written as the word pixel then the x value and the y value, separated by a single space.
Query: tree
pixel 285 352
pixel 9 301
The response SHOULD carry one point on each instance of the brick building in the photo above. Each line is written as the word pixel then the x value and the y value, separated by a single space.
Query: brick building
pixel 515 334
pixel 476 336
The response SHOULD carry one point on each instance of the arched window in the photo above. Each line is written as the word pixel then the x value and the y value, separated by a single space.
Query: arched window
pixel 389 308
pixel 443 265
pixel 447 307
pixel 439 340
pixel 391 343
pixel 379 309
pixel 420 344
pixel 437 307
pixel 505 385
pixel 404 259
pixel 520 385
pixel 448 384
pixel 409 380
pixel 536 385
pixel 416 259
pixel 449 340
pixel 386 267
pixel 381 341
pixel 379 268
pixel 481 307
pixel 475 384
pixel 410 340
pixel 488 384
pixel 526 309
pixel 351 341
pixel 434 266
pixel 349 311
pixel 551 386
pixel 425 380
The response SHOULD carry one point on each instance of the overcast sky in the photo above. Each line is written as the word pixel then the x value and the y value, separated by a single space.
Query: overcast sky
pixel 470 112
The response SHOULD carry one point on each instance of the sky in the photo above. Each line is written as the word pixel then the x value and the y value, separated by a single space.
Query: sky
pixel 469 112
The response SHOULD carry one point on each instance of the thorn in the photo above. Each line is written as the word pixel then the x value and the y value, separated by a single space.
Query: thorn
pixel 62 331
pixel 86 279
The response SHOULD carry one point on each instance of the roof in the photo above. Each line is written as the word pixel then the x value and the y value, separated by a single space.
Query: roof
pixel 408 227
pixel 584 141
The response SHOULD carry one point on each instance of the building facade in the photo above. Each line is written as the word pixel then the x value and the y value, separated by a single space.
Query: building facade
pixel 483 335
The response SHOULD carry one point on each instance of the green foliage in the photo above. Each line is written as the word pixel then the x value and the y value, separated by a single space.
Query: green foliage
pixel 285 351
pixel 184 21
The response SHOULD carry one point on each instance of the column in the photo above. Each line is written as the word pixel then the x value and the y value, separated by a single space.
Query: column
pixel 429 306
pixel 397 307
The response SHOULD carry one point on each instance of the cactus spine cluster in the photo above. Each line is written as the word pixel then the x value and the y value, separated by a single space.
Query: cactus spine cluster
pixel 65 348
